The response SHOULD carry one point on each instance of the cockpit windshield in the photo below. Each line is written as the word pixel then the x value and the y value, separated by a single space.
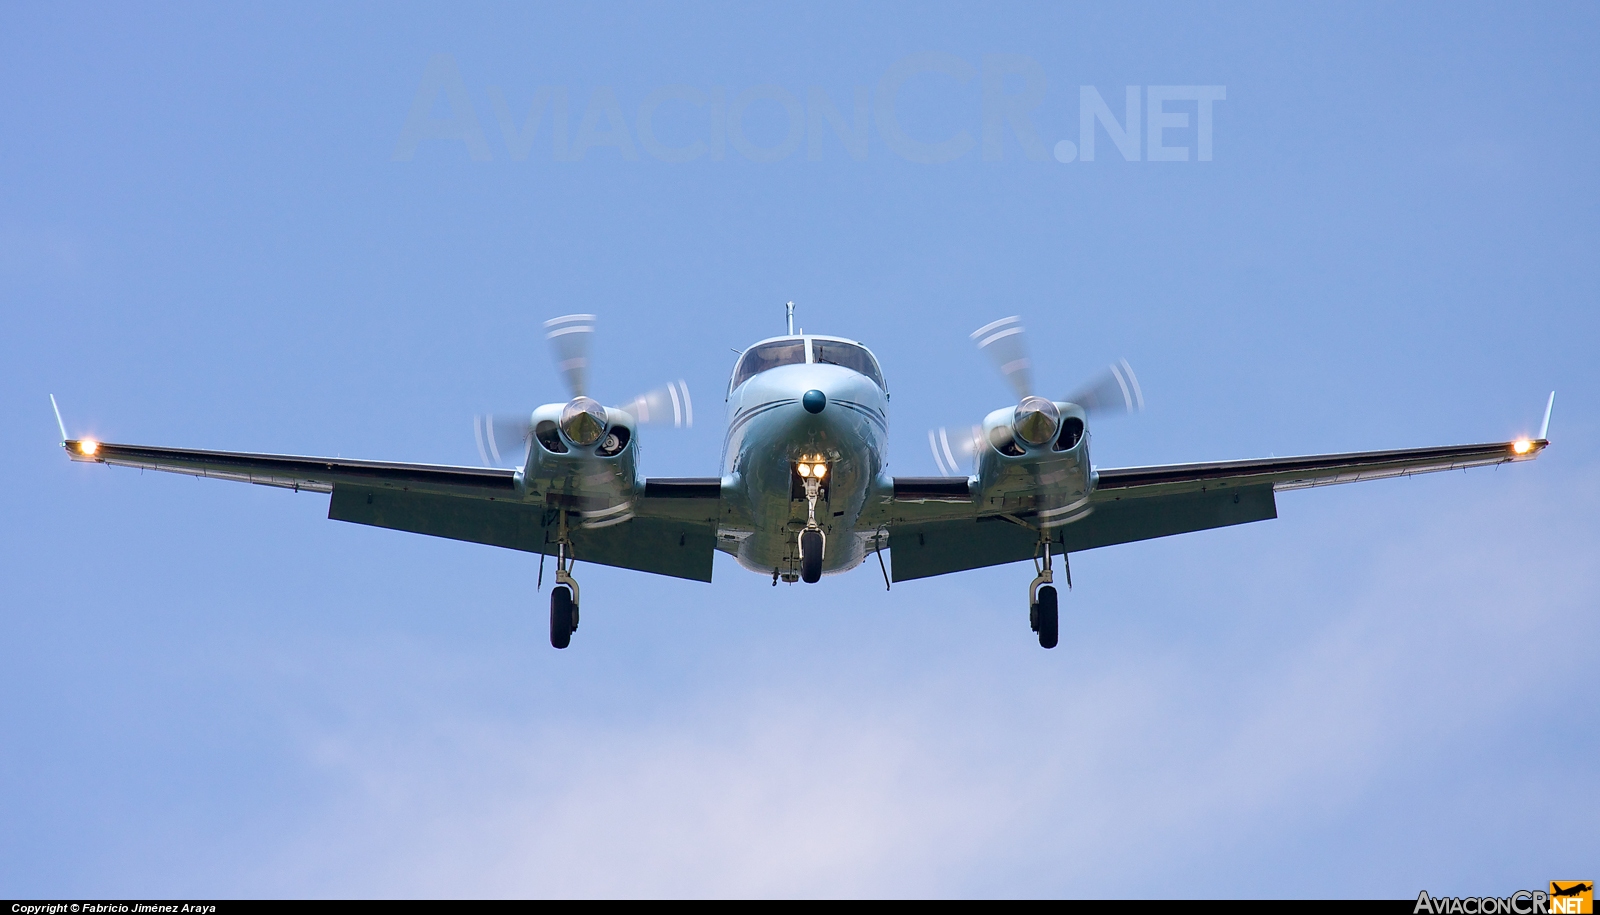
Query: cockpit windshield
pixel 848 355
pixel 769 356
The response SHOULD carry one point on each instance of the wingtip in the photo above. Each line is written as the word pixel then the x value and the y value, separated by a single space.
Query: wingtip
pixel 1524 449
pixel 1544 427
pixel 83 449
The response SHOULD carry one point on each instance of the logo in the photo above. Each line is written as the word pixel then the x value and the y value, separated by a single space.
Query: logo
pixel 1572 897
pixel 1566 897
pixel 994 103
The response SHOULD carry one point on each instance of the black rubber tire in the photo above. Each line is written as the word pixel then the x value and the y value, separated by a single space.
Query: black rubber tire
pixel 560 617
pixel 810 556
pixel 1049 619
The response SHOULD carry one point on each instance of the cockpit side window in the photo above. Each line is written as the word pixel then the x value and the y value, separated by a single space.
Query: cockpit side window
pixel 768 356
pixel 832 352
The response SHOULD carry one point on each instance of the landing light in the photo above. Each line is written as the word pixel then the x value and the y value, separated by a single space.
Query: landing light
pixel 88 447
pixel 804 469
pixel 819 471
pixel 1522 446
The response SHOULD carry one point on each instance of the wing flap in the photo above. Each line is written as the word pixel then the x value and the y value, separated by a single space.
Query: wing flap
pixel 1129 520
pixel 680 549
pixel 933 489
pixel 694 499
pixel 697 488
pixel 923 550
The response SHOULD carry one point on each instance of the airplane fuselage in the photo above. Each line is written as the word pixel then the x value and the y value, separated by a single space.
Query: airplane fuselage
pixel 771 430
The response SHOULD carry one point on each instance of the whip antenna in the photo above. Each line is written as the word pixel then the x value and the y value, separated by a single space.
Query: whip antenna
pixel 63 426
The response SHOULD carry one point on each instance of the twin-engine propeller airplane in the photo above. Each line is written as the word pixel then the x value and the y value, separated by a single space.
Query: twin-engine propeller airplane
pixel 804 489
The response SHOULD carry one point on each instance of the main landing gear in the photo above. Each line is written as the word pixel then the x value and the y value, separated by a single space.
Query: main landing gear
pixel 1042 614
pixel 563 616
pixel 564 596
pixel 1042 611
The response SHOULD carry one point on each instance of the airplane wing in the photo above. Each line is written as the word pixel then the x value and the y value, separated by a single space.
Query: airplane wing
pixel 934 530
pixel 673 531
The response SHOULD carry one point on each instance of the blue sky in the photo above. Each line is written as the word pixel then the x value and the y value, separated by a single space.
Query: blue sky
pixel 206 240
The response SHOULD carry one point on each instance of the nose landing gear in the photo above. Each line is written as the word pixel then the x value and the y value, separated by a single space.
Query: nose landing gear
pixel 811 546
pixel 813 542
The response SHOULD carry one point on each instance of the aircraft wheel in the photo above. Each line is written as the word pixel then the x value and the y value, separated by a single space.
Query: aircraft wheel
pixel 561 617
pixel 810 556
pixel 1048 621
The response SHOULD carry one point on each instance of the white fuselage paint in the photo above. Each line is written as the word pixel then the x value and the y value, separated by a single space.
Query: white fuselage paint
pixel 769 431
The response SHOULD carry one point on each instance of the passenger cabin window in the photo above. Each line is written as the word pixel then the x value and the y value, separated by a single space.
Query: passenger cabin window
pixel 769 356
pixel 832 352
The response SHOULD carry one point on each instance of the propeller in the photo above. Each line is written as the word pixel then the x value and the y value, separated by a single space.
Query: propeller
pixel 570 336
pixel 505 438
pixel 953 449
pixel 664 405
pixel 1113 391
pixel 1005 342
pixel 502 439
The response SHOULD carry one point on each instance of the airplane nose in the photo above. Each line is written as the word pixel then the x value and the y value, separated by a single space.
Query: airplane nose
pixel 814 400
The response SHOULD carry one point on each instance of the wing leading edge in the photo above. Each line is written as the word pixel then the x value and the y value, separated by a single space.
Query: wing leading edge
pixel 1312 470
pixel 1142 503
pixel 313 474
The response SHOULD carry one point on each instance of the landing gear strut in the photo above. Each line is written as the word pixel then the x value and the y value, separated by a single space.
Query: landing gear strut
pixel 1042 613
pixel 564 596
pixel 813 542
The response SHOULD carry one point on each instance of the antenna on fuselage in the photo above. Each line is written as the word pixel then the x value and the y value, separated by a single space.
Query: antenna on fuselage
pixel 789 310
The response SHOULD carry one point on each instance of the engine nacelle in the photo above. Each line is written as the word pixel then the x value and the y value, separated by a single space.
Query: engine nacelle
pixel 583 457
pixel 1033 460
